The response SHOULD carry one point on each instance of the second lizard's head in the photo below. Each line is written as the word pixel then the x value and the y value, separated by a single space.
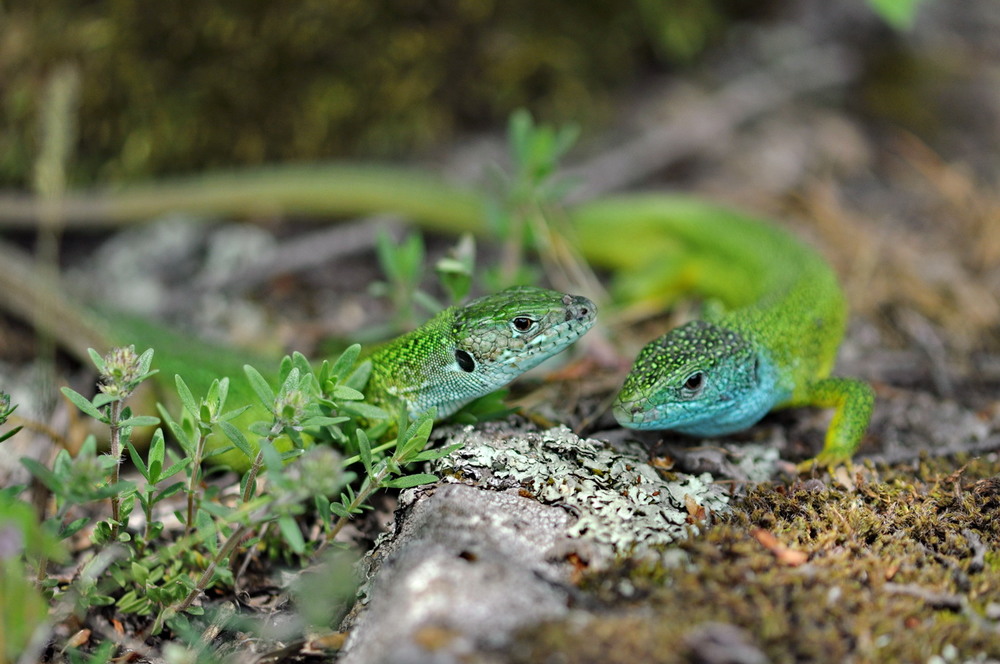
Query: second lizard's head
pixel 701 379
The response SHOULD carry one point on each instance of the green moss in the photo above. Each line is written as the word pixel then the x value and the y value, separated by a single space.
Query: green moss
pixel 890 576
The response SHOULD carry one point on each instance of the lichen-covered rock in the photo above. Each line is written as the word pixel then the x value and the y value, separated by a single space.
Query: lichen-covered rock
pixel 493 548
pixel 621 504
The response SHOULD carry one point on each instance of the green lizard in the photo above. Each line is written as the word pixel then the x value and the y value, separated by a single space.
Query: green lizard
pixel 465 352
pixel 772 347
pixel 462 353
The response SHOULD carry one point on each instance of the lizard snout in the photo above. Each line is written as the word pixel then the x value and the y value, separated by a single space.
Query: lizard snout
pixel 579 308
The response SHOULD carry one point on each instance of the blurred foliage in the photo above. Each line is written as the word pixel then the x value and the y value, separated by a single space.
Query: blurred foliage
pixel 178 86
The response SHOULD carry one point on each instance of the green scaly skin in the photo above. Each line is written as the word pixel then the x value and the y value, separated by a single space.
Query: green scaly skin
pixel 773 347
pixel 466 352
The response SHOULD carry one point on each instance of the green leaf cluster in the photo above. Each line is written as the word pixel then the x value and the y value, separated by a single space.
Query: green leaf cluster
pixel 314 427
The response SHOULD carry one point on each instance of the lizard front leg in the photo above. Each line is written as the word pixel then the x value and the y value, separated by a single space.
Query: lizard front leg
pixel 853 401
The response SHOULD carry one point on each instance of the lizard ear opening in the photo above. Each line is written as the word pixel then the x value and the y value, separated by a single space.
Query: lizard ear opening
pixel 465 361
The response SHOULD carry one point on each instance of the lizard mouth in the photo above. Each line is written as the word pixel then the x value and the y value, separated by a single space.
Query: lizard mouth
pixel 631 414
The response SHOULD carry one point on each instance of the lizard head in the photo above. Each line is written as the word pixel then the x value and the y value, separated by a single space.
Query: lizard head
pixel 700 379
pixel 466 352
pixel 500 336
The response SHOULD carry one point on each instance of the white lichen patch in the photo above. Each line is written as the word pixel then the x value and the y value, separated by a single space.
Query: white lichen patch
pixel 620 503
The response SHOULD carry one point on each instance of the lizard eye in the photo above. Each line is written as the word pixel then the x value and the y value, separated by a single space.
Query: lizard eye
pixel 522 323
pixel 693 383
pixel 465 361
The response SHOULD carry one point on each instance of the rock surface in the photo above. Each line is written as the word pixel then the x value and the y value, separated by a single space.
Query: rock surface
pixel 494 546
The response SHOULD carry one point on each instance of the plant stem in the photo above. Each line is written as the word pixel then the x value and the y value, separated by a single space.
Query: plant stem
pixel 206 576
pixel 116 452
pixel 147 508
pixel 248 489
pixel 371 484
pixel 199 450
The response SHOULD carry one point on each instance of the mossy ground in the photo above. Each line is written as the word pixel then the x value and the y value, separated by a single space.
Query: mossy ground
pixel 897 564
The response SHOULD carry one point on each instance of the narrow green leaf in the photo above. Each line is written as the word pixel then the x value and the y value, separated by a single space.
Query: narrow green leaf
pixel 145 360
pixel 290 531
pixel 83 404
pixel 101 400
pixel 365 451
pixel 416 437
pixel 73 527
pixel 170 490
pixel 324 421
pixel 157 447
pixel 205 526
pixel 213 394
pixel 218 451
pixel 322 508
pixel 408 481
pixel 365 410
pixel 137 460
pixel 237 438
pixel 175 468
pixel 387 254
pixel 223 395
pixel 291 382
pixel 342 365
pixel 187 399
pixel 260 386
pixel 232 414
pixel 140 573
pixel 176 429
pixel 346 393
pixel 359 377
pixel 98 360
pixel 301 362
pixel 140 421
pixel 7 435
pixel 145 376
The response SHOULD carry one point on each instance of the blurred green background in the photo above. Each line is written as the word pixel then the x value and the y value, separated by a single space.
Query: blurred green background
pixel 170 87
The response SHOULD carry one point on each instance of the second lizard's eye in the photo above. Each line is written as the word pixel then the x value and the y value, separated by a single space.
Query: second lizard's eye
pixel 522 323
pixel 693 384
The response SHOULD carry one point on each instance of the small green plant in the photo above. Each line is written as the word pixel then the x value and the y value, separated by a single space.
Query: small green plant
pixel 403 266
pixel 527 212
pixel 121 371
pixel 6 410
pixel 301 441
